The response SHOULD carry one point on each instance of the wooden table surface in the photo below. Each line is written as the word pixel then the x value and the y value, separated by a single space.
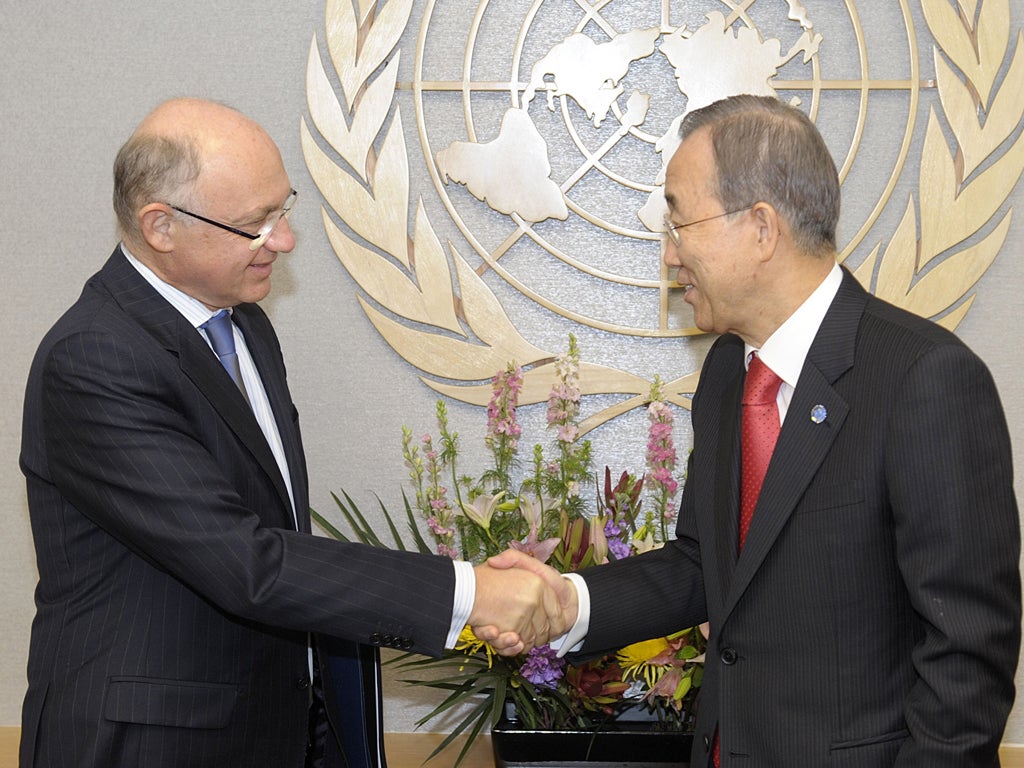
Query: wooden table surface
pixel 404 750
pixel 409 750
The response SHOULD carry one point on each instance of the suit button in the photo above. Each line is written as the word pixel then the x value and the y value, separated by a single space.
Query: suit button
pixel 707 744
pixel 406 643
pixel 302 683
pixel 376 639
pixel 729 656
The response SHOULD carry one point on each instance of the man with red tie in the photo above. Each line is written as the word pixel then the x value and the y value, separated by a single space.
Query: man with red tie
pixel 849 527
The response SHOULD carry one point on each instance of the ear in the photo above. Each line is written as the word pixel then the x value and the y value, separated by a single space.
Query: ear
pixel 769 225
pixel 158 226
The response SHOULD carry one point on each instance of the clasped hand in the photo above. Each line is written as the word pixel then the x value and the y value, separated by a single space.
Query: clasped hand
pixel 520 603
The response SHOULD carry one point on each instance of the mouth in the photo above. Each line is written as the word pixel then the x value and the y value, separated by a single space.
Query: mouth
pixel 682 282
pixel 269 263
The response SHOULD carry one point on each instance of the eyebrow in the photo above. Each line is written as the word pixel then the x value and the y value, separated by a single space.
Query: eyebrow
pixel 259 214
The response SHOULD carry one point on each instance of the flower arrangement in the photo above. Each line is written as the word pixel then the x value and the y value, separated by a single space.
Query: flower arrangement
pixel 547 515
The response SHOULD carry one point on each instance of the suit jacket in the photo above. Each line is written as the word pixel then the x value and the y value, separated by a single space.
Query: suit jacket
pixel 873 617
pixel 175 596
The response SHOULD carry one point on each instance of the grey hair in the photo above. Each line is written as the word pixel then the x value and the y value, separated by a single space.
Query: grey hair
pixel 152 168
pixel 768 151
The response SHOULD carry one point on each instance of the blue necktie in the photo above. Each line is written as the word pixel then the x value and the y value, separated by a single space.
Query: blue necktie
pixel 222 338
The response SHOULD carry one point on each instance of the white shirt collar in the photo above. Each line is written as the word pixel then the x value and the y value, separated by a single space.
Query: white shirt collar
pixel 786 349
pixel 194 310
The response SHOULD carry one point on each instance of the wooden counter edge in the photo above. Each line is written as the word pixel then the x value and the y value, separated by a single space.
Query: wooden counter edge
pixel 409 750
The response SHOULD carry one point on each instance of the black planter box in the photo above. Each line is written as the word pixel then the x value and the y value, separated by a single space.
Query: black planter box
pixel 617 745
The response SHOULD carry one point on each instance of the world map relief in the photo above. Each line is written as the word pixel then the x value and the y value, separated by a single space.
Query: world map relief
pixel 511 173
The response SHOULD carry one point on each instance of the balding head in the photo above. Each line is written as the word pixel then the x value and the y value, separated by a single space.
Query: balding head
pixel 177 144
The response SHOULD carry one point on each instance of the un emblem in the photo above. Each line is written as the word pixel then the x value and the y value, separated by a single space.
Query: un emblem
pixel 544 128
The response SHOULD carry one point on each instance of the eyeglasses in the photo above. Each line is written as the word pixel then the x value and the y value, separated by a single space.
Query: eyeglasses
pixel 673 235
pixel 265 230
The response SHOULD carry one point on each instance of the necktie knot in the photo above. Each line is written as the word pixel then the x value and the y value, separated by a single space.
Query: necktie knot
pixel 761 386
pixel 219 331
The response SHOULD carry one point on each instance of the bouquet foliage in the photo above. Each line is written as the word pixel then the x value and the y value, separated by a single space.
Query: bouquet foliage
pixel 555 511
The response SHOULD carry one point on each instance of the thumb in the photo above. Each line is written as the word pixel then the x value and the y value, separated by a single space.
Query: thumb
pixel 512 558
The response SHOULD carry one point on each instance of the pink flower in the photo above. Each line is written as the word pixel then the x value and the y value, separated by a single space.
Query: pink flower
pixel 541 550
pixel 567 433
pixel 661 453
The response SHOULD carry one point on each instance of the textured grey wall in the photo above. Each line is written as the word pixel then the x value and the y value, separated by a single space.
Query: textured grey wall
pixel 76 77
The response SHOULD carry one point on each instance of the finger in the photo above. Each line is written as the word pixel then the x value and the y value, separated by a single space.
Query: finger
pixel 488 633
pixel 512 650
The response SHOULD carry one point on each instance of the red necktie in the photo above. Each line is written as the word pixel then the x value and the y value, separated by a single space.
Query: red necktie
pixel 760 431
pixel 760 425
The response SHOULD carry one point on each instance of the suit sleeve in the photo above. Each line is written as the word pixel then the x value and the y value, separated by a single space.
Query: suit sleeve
pixel 138 449
pixel 648 595
pixel 948 465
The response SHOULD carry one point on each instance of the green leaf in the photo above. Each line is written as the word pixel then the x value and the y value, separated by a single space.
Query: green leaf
pixel 356 520
pixel 421 545
pixel 391 524
pixel 329 529
pixel 477 718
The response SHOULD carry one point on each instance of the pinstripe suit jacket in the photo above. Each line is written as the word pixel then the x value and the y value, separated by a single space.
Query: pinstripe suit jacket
pixel 175 595
pixel 873 618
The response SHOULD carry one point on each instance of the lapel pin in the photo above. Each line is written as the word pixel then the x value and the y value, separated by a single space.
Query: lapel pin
pixel 818 414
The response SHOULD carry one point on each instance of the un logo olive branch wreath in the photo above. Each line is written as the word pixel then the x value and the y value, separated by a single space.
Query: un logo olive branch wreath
pixel 457 330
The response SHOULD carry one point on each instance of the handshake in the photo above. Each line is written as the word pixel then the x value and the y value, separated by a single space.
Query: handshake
pixel 521 603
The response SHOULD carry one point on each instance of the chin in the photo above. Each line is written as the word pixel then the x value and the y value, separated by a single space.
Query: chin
pixel 258 293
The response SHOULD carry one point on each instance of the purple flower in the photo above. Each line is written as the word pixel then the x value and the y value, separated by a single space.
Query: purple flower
pixel 620 549
pixel 542 667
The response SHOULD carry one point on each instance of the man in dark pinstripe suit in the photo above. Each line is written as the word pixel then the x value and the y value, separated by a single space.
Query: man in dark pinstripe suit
pixel 182 602
pixel 871 618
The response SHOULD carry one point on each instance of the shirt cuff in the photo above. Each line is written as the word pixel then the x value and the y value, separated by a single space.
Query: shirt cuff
pixel 572 640
pixel 462 607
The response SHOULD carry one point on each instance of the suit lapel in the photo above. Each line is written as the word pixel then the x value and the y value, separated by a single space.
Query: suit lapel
pixel 276 386
pixel 205 372
pixel 726 487
pixel 803 443
pixel 140 301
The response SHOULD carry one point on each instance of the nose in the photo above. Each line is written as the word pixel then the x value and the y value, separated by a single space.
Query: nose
pixel 282 239
pixel 671 255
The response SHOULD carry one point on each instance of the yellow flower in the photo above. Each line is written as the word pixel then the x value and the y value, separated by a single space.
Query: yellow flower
pixel 470 644
pixel 648 660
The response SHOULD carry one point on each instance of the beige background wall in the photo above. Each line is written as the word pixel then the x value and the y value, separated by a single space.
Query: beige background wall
pixel 76 77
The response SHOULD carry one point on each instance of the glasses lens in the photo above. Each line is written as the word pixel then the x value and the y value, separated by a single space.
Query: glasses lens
pixel 266 230
pixel 670 231
pixel 272 221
